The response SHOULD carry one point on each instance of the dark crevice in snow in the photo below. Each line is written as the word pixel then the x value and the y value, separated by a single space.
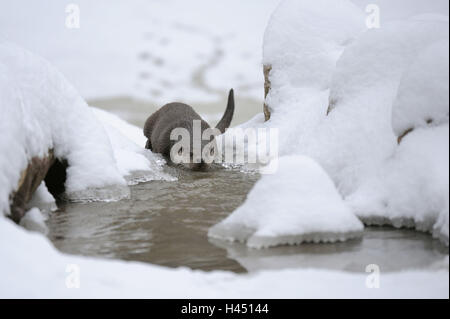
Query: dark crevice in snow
pixel 56 177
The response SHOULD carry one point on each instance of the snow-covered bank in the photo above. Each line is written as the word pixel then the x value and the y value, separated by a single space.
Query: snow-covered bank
pixel 369 105
pixel 41 111
pixel 134 162
pixel 45 273
pixel 297 204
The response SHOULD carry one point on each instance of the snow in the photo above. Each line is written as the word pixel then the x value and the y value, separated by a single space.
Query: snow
pixel 154 50
pixel 423 95
pixel 440 228
pixel 55 275
pixel 43 200
pixel 411 188
pixel 342 94
pixel 375 83
pixel 297 204
pixel 42 112
pixel 402 9
pixel 134 162
pixel 34 220
pixel 364 86
pixel 301 49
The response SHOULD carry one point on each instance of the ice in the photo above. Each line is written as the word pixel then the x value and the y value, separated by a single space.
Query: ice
pixel 297 204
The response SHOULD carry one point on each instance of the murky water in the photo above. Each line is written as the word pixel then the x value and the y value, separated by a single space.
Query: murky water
pixel 166 223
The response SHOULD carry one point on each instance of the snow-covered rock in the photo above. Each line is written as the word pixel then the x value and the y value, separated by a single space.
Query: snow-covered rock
pixel 411 188
pixel 297 204
pixel 42 112
pixel 423 95
pixel 301 49
pixel 342 94
pixel 301 45
pixel 357 134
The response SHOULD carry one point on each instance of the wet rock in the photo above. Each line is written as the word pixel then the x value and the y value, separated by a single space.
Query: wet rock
pixel 29 181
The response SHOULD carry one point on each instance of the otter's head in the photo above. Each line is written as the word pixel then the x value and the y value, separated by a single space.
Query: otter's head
pixel 193 143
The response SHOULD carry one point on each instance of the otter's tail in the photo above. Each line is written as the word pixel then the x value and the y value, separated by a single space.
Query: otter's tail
pixel 228 115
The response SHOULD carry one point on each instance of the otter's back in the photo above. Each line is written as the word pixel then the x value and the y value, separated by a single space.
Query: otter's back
pixel 159 125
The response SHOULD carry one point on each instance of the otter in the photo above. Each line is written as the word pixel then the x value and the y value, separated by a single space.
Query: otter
pixel 159 126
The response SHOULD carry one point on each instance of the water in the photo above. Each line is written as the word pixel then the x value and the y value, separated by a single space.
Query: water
pixel 166 223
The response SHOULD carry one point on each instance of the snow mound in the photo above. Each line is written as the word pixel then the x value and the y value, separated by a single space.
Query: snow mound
pixel 357 134
pixel 301 49
pixel 344 98
pixel 134 162
pixel 411 188
pixel 423 95
pixel 43 200
pixel 41 111
pixel 379 57
pixel 297 204
pixel 34 220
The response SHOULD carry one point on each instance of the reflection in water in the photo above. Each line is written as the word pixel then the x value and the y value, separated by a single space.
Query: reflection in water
pixel 166 223
pixel 391 249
